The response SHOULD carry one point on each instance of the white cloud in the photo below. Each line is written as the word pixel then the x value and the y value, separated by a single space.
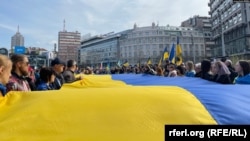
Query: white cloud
pixel 8 27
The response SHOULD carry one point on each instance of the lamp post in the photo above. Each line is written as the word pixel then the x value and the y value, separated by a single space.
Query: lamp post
pixel 192 40
pixel 222 34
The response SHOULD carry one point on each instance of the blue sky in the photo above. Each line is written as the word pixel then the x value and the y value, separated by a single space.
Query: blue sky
pixel 41 20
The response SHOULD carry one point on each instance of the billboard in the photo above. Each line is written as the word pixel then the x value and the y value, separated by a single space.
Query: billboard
pixel 20 50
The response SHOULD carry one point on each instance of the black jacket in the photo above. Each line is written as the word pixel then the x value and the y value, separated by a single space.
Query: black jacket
pixel 223 79
pixel 59 81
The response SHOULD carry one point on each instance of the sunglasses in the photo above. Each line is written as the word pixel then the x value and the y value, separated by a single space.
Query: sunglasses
pixel 26 63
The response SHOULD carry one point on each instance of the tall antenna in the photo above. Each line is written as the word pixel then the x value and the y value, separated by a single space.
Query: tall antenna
pixel 64 25
pixel 18 29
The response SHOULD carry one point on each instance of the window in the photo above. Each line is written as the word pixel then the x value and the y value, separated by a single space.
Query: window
pixel 238 5
pixel 141 53
pixel 135 47
pixel 135 54
pixel 130 55
pixel 225 14
pixel 160 46
pixel 202 53
pixel 230 22
pixel 234 7
pixel 161 39
pixel 226 25
pixel 239 17
pixel 154 40
pixel 154 53
pixel 166 39
pixel 185 53
pixel 229 10
pixel 234 20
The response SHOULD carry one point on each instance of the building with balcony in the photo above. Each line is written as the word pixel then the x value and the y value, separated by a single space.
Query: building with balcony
pixel 139 43
pixel 230 28
pixel 68 44
pixel 204 25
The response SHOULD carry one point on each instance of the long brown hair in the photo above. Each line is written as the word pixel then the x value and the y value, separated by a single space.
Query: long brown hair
pixel 245 67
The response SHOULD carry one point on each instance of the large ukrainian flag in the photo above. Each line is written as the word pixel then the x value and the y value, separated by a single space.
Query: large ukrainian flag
pixel 123 107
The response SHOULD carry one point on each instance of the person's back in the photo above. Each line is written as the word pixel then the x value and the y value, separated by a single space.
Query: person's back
pixel 18 81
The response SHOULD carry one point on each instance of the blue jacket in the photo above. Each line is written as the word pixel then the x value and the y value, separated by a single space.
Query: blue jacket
pixel 243 80
pixel 190 74
pixel 3 89
pixel 44 86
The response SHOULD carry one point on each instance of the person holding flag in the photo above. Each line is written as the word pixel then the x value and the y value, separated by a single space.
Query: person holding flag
pixel 176 54
pixel 178 58
pixel 164 57
pixel 172 54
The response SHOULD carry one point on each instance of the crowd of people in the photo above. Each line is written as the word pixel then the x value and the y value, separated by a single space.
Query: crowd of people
pixel 17 75
pixel 221 71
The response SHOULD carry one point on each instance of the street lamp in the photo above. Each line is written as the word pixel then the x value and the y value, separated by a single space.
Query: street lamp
pixel 222 34
pixel 192 39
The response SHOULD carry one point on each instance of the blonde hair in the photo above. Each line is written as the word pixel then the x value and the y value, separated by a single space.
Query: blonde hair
pixel 4 61
pixel 190 65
